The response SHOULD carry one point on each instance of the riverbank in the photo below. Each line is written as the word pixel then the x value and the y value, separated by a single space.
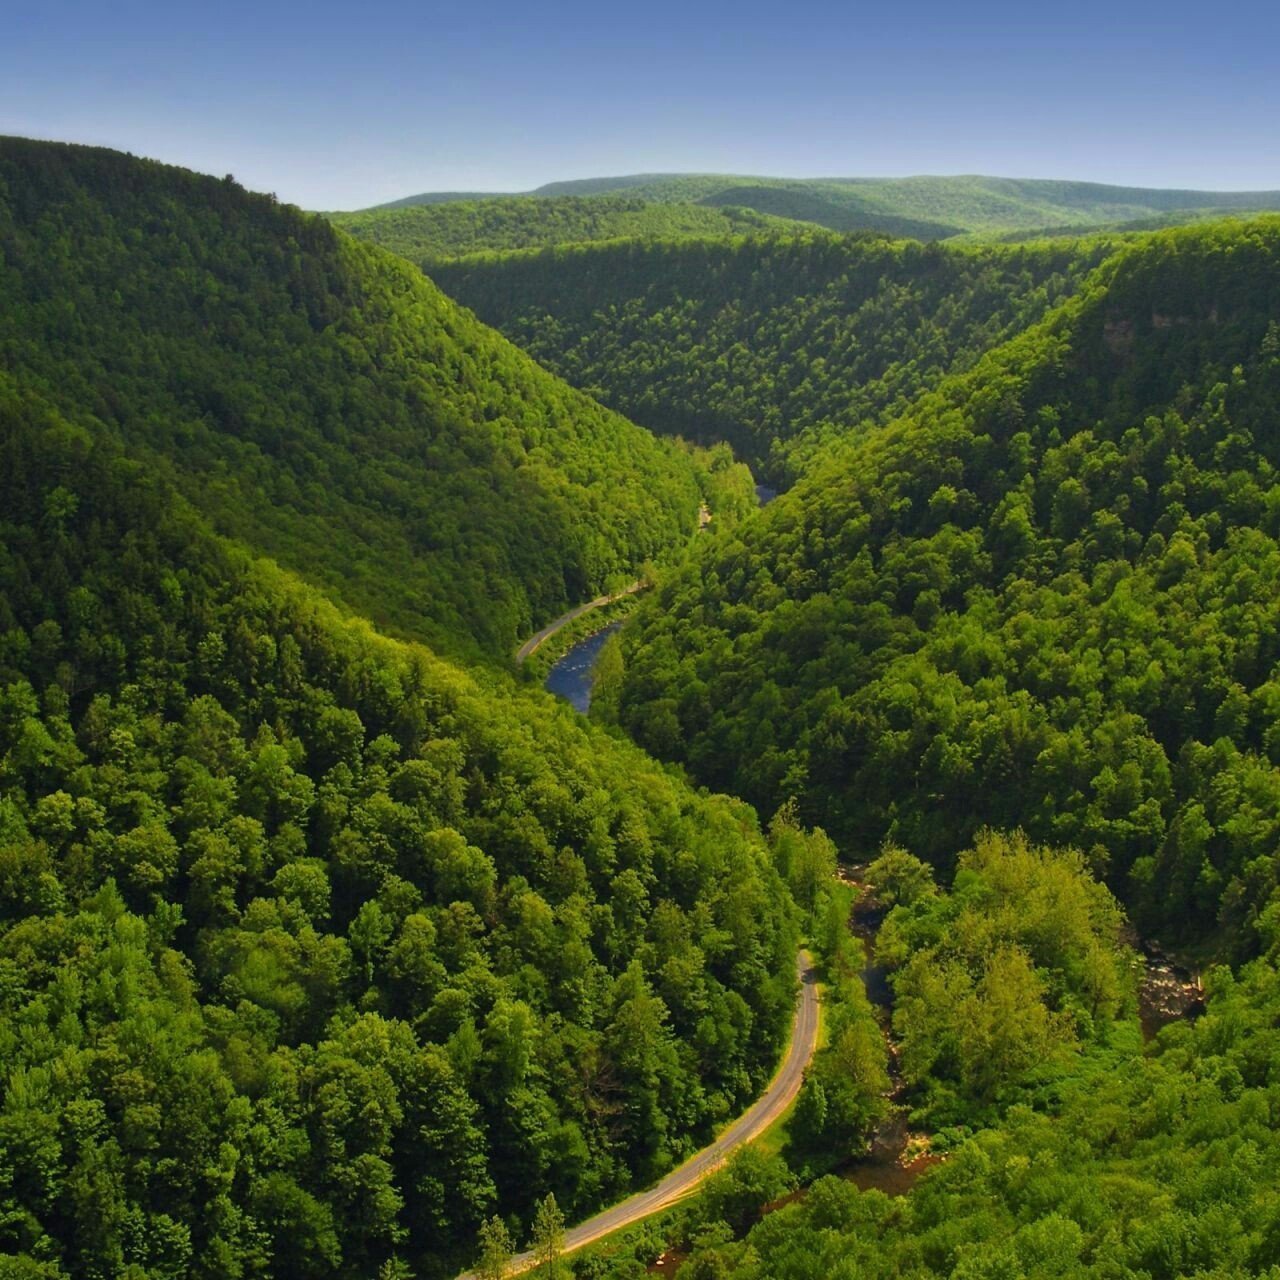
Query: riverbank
pixel 539 638
pixel 573 677
pixel 556 647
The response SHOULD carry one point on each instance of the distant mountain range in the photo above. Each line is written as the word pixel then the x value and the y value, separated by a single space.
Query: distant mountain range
pixel 926 208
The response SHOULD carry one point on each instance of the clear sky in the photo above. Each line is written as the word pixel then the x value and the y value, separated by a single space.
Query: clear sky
pixel 343 105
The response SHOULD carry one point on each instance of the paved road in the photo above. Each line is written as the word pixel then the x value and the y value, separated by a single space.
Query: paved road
pixel 534 641
pixel 684 1180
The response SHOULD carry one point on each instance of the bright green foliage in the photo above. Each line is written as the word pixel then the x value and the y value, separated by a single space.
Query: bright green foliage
pixel 737 1193
pixel 547 1241
pixel 315 954
pixel 773 345
pixel 321 401
pixel 1019 963
pixel 846 1089
pixel 897 877
pixel 606 684
pixel 426 234
pixel 1163 1166
pixel 496 1251
pixel 806 859
pixel 1047 597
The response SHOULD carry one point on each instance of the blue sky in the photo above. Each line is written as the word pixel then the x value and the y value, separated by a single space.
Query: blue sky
pixel 340 106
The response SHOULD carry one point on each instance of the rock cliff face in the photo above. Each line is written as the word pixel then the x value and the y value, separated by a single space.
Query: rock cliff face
pixel 1167 992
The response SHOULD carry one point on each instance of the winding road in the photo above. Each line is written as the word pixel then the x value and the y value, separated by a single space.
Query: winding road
pixel 751 1124
pixel 538 637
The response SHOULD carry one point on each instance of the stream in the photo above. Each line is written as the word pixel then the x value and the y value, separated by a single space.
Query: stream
pixel 1166 991
pixel 572 677
pixel 896 1157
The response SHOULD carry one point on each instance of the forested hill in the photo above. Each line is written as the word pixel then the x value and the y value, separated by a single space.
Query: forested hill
pixel 772 344
pixel 320 400
pixel 1047 597
pixel 313 953
pixel 924 208
pixel 426 233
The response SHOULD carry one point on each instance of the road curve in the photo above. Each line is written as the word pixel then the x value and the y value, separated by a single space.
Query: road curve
pixel 748 1126
pixel 535 640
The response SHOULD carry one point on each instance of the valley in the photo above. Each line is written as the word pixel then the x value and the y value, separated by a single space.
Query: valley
pixel 332 944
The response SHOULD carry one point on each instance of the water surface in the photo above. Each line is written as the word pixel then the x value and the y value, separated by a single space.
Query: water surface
pixel 572 677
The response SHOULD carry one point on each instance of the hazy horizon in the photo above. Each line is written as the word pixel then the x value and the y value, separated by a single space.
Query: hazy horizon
pixel 335 109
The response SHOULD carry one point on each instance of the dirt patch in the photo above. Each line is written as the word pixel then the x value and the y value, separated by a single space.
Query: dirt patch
pixel 666 1264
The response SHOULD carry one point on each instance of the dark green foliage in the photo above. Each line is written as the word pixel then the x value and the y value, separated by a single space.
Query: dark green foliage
pixel 314 953
pixel 737 1193
pixel 773 345
pixel 321 401
pixel 1047 597
pixel 425 234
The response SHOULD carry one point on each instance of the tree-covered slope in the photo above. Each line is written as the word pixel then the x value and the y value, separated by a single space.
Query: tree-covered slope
pixel 772 344
pixel 320 400
pixel 925 208
pixel 313 951
pixel 426 233
pixel 1046 597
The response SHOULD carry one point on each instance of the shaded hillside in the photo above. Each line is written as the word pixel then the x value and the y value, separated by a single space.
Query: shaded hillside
pixel 313 951
pixel 774 345
pixel 427 233
pixel 320 400
pixel 1046 597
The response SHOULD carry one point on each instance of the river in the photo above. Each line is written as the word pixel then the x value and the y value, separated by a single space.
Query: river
pixel 572 677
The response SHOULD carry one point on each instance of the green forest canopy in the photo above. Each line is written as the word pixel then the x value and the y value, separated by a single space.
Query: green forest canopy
pixel 321 401
pixel 427 233
pixel 923 208
pixel 775 345
pixel 1122 1162
pixel 1046 597
pixel 314 951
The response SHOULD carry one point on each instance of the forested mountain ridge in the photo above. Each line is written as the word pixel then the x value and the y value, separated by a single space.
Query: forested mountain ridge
pixel 923 208
pixel 320 400
pixel 1046 597
pixel 314 952
pixel 427 233
pixel 776 344
pixel 321 957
